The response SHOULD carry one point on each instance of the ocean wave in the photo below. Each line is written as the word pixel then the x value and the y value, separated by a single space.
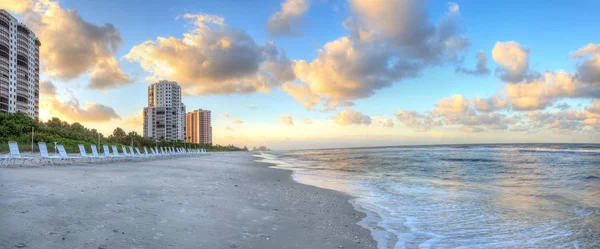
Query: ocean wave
pixel 559 150
pixel 468 160
pixel 500 196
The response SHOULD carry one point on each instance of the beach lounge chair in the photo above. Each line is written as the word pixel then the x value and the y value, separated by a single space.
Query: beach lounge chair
pixel 95 153
pixel 137 150
pixel 83 154
pixel 133 154
pixel 157 152
pixel 116 152
pixel 125 153
pixel 15 155
pixel 146 152
pixel 63 154
pixel 44 154
pixel 4 160
pixel 107 154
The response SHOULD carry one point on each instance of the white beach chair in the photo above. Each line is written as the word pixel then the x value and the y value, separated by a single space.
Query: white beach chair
pixel 137 150
pixel 63 154
pixel 107 154
pixel 4 160
pixel 83 154
pixel 95 153
pixel 146 152
pixel 125 153
pixel 16 155
pixel 116 153
pixel 44 154
pixel 157 152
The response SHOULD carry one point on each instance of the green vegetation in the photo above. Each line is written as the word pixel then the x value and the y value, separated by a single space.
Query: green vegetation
pixel 17 127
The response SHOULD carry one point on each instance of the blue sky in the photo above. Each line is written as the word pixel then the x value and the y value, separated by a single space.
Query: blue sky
pixel 548 30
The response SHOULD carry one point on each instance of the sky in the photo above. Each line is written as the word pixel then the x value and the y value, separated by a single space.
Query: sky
pixel 298 74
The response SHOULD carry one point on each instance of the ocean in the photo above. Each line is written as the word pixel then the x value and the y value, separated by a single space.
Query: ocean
pixel 463 196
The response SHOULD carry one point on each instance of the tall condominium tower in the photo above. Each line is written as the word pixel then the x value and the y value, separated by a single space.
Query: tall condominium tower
pixel 164 118
pixel 198 128
pixel 19 67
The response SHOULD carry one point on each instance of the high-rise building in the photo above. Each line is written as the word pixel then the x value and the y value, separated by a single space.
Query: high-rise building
pixel 19 67
pixel 198 128
pixel 164 118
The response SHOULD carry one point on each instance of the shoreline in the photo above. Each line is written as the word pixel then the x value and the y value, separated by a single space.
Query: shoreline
pixel 224 200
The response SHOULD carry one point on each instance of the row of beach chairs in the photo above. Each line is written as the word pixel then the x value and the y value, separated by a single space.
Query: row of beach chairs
pixel 14 158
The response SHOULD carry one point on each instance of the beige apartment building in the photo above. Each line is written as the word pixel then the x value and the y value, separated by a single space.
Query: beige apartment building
pixel 198 128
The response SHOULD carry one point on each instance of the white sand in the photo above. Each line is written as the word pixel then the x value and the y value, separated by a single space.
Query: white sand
pixel 224 200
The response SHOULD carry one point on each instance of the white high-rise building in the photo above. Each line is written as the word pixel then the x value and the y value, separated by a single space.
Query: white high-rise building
pixel 19 67
pixel 164 118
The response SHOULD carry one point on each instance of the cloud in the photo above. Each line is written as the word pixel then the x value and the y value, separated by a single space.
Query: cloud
pixel 227 128
pixel 352 117
pixel 389 123
pixel 72 46
pixel 457 111
pixel 513 59
pixel 71 110
pixel 308 121
pixel 237 121
pixel 589 69
pixel 419 122
pixel 47 89
pixel 593 110
pixel 563 106
pixel 214 58
pixel 452 107
pixel 286 119
pixel 108 75
pixel 544 91
pixel 481 67
pixel 225 115
pixel 18 6
pixel 389 41
pixel 286 21
pixel 136 120
pixel 470 129
pixel 493 103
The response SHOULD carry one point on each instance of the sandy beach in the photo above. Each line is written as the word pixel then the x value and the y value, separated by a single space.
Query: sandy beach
pixel 224 200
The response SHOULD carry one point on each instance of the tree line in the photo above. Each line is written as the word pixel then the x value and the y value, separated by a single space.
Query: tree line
pixel 18 127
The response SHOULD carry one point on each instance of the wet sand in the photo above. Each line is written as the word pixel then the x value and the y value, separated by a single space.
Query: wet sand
pixel 224 200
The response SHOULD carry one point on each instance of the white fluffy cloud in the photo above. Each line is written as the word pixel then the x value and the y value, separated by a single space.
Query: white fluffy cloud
pixel 18 6
pixel 389 41
pixel 500 114
pixel 286 21
pixel 419 122
pixel 214 58
pixel 352 117
pixel 513 59
pixel 54 25
pixel 71 110
pixel 589 69
pixel 286 119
